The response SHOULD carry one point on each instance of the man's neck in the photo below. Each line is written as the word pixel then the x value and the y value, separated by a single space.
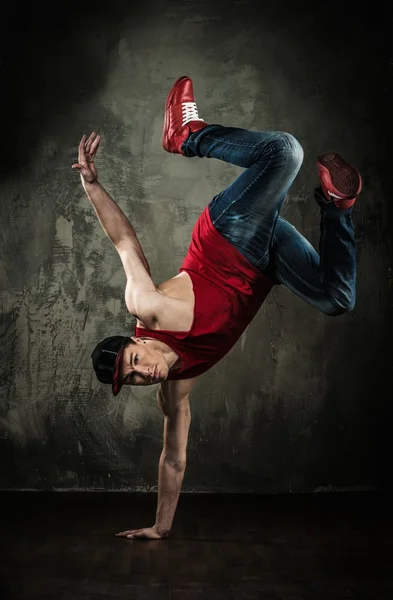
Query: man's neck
pixel 170 356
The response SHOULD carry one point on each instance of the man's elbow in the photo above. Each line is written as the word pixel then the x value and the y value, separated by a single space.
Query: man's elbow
pixel 177 461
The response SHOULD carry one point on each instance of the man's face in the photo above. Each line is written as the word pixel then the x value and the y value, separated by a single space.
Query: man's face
pixel 142 364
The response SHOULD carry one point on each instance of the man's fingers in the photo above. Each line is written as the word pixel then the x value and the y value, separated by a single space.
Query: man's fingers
pixel 139 533
pixel 95 144
pixel 88 147
pixel 135 531
pixel 81 156
pixel 81 165
pixel 89 142
pixel 128 532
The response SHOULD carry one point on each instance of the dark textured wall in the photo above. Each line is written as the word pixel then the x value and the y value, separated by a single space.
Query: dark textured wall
pixel 303 402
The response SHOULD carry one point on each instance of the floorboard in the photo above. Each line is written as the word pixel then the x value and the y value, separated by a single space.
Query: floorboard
pixel 234 547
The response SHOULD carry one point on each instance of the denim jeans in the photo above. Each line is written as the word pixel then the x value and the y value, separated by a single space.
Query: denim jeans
pixel 247 215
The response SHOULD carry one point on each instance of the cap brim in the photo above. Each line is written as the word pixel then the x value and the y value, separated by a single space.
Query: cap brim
pixel 116 383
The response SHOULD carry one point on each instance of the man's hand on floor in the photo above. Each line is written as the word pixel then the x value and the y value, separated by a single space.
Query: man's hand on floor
pixel 149 533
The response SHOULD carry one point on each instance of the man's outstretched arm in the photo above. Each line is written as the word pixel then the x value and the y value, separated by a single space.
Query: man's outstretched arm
pixel 141 292
pixel 114 222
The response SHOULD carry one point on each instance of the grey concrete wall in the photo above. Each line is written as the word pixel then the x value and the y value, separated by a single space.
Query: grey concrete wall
pixel 314 411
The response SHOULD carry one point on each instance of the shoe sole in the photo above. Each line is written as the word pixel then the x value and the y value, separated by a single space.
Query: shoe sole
pixel 340 177
pixel 167 105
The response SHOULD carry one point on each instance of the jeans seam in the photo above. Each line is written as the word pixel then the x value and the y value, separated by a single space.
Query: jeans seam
pixel 311 287
pixel 219 139
pixel 260 262
pixel 246 189
pixel 286 148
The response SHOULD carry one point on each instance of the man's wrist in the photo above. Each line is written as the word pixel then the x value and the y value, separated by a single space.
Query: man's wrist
pixel 162 531
pixel 90 185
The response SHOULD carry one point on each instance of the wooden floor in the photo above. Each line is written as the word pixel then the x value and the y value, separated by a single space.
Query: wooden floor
pixel 314 547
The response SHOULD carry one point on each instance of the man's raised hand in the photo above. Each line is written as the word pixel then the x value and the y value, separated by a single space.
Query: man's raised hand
pixel 86 154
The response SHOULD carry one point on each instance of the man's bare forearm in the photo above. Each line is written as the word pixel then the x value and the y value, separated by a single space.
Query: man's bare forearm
pixel 113 221
pixel 170 479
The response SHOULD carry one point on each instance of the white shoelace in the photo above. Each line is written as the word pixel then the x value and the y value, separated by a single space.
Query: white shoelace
pixel 190 112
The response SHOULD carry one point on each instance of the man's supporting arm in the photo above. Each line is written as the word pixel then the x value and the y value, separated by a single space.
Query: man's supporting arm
pixel 172 465
pixel 172 397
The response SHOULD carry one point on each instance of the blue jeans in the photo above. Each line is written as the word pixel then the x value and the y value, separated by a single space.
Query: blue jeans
pixel 247 215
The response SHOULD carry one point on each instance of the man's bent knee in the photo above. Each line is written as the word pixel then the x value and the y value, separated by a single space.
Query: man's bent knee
pixel 287 143
pixel 339 306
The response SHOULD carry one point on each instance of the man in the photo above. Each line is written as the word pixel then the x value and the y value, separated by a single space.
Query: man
pixel 240 248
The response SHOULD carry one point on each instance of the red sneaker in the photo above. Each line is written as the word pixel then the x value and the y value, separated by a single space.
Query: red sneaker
pixel 181 116
pixel 340 181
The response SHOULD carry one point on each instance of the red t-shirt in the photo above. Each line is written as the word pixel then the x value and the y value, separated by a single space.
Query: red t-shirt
pixel 228 292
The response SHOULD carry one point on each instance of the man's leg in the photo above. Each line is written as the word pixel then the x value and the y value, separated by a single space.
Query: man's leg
pixel 326 281
pixel 246 212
